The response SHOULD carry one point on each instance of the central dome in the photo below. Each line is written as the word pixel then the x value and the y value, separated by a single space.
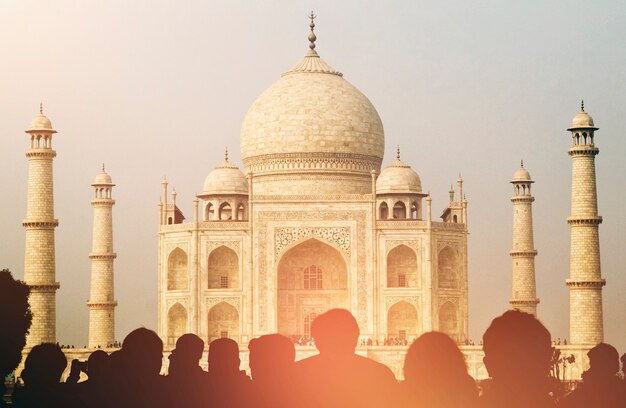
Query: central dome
pixel 312 121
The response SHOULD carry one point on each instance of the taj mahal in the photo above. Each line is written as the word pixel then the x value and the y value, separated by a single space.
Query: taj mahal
pixel 312 222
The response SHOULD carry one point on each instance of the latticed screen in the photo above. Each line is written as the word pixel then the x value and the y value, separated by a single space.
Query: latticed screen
pixel 224 282
pixel 313 277
pixel 308 320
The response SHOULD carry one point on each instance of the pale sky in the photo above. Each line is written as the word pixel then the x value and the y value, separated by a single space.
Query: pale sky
pixel 154 88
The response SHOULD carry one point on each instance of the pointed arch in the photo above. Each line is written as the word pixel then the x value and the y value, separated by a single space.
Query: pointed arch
pixel 399 210
pixel 223 321
pixel 225 211
pixel 447 269
pixel 383 212
pixel 223 271
pixel 177 270
pixel 402 267
pixel 209 212
pixel 414 210
pixel 402 321
pixel 176 323
pixel 241 212
pixel 448 320
pixel 312 278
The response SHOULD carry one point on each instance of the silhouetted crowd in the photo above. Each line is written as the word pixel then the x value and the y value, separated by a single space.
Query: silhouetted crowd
pixel 518 354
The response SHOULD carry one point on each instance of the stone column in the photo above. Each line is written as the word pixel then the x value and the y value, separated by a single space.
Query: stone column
pixel 585 281
pixel 101 301
pixel 40 224
pixel 524 292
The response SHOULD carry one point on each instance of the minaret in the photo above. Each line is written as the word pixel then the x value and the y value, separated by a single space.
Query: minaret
pixel 39 258
pixel 101 302
pixel 585 278
pixel 524 292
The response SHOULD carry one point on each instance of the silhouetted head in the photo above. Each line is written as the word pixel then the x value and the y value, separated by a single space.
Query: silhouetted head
pixel 335 332
pixel 624 365
pixel 143 352
pixel 434 358
pixel 98 365
pixel 187 353
pixel 517 348
pixel 604 360
pixel 271 356
pixel 224 357
pixel 44 365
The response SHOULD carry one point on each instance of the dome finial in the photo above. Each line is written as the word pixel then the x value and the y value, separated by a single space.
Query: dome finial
pixel 41 108
pixel 103 168
pixel 398 153
pixel 226 155
pixel 582 105
pixel 312 36
pixel 522 163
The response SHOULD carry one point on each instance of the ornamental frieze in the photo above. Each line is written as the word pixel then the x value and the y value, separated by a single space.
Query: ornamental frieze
pixel 392 300
pixel 284 237
pixel 170 246
pixel 172 301
pixel 234 245
pixel 391 244
pixel 233 301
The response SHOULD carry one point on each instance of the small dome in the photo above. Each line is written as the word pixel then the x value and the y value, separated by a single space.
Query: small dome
pixel 582 120
pixel 225 179
pixel 521 175
pixel 398 178
pixel 102 178
pixel 41 123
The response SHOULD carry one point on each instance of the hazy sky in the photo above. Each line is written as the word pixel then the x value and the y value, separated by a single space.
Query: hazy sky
pixel 156 88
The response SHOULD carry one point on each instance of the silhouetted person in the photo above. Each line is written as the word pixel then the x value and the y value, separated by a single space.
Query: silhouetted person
pixel 15 322
pixel 228 386
pixel 518 354
pixel 42 375
pixel 600 387
pixel 95 390
pixel 272 360
pixel 337 377
pixel 436 375
pixel 138 383
pixel 186 381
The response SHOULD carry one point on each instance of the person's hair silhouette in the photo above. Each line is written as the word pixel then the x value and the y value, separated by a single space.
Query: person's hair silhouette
pixel 186 355
pixel 228 386
pixel 42 372
pixel 436 375
pixel 186 380
pixel 337 377
pixel 518 353
pixel 600 387
pixel 271 365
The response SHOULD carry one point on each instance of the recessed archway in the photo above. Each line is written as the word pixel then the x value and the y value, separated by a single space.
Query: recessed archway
pixel 312 278
pixel 177 270
pixel 223 321
pixel 447 269
pixel 176 323
pixel 448 320
pixel 223 271
pixel 402 321
pixel 401 267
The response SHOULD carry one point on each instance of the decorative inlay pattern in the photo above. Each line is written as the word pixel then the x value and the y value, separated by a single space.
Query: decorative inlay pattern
pixel 391 244
pixel 283 237
pixel 392 300
pixel 234 245
pixel 233 301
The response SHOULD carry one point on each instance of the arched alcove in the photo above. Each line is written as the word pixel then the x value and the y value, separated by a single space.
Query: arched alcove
pixel 223 321
pixel 209 212
pixel 225 212
pixel 176 323
pixel 384 211
pixel 223 270
pixel 399 210
pixel 401 267
pixel 177 270
pixel 447 269
pixel 312 278
pixel 402 321
pixel 448 320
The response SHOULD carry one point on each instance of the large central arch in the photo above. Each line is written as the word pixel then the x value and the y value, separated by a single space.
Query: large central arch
pixel 312 278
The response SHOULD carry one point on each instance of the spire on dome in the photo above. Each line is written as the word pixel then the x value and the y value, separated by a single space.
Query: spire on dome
pixel 226 155
pixel 41 108
pixel 398 153
pixel 103 168
pixel 582 105
pixel 522 163
pixel 312 36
